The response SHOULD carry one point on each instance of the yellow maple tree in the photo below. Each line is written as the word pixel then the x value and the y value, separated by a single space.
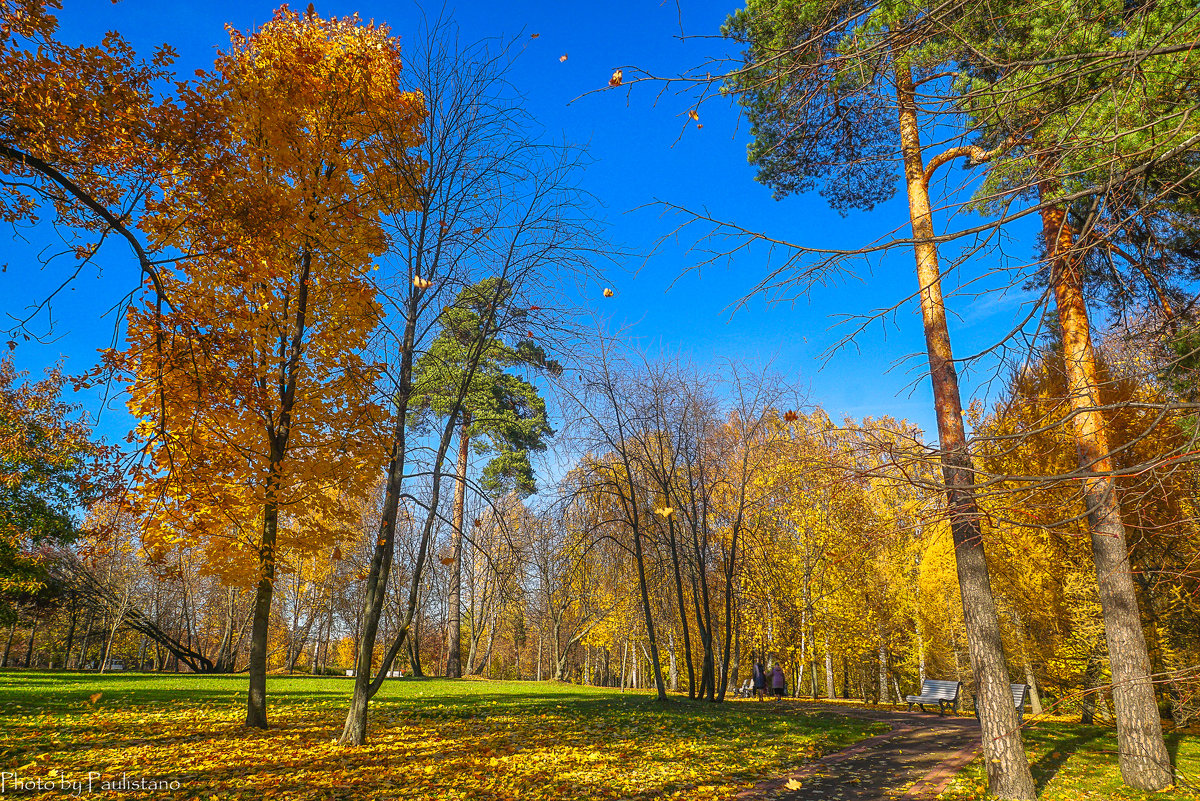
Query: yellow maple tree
pixel 253 391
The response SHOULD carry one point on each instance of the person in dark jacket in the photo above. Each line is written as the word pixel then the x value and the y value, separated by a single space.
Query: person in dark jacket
pixel 760 681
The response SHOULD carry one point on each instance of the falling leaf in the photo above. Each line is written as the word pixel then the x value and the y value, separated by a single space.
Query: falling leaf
pixel 563 57
pixel 477 231
pixel 421 283
pixel 695 115
pixel 664 511
pixel 447 560
pixel 790 416
pixel 337 554
pixel 94 697
pixel 616 78
pixel 478 522
pixel 608 293
pixel 534 35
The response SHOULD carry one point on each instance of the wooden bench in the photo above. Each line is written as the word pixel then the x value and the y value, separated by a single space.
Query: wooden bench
pixel 1020 694
pixel 943 693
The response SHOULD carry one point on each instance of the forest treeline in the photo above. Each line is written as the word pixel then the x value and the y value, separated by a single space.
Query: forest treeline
pixel 376 434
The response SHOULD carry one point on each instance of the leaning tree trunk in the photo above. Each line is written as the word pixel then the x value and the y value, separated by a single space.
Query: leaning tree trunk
pixel 1004 754
pixel 454 603
pixel 1142 751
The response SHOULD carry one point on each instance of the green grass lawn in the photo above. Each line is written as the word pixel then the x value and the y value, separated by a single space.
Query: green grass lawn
pixel 1072 762
pixel 429 739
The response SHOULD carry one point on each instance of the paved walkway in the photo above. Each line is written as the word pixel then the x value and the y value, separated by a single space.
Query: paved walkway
pixel 915 760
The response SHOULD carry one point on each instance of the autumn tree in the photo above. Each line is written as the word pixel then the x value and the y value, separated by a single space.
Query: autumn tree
pixel 266 393
pixel 1067 135
pixel 89 136
pixel 50 467
pixel 831 93
pixel 1042 516
pixel 614 429
pixel 577 580
pixel 493 203
pixel 500 411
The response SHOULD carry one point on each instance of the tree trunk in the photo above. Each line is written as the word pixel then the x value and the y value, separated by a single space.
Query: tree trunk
pixel 256 699
pixel 414 657
pixel 673 671
pixel 683 620
pixel 920 656
pixel 112 634
pixel 624 659
pixel 646 610
pixel 80 661
pixel 829 689
pixel 225 649
pixel 454 603
pixel 1004 754
pixel 1091 680
pixel 1035 700
pixel 1143 753
pixel 32 636
pixel 883 688
pixel 12 630
pixel 71 636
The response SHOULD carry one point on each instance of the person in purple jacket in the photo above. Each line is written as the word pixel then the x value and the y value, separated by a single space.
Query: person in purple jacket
pixel 778 681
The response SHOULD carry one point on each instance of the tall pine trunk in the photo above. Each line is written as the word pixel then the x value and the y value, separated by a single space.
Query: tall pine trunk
pixel 1142 751
pixel 1004 754
pixel 454 602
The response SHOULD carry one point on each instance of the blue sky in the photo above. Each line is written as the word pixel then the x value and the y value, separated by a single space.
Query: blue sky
pixel 642 150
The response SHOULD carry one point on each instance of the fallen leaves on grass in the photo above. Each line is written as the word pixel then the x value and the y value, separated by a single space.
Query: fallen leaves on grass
pixel 591 743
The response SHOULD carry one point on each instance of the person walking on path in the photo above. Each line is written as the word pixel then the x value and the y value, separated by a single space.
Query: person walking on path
pixel 760 681
pixel 778 682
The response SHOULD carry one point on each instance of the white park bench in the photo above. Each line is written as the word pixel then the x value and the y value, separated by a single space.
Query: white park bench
pixel 943 693
pixel 745 691
pixel 1020 694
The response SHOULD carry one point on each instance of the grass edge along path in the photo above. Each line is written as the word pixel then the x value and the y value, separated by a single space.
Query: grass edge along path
pixel 1074 762
pixel 430 739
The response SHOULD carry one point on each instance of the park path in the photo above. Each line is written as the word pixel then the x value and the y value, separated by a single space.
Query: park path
pixel 915 760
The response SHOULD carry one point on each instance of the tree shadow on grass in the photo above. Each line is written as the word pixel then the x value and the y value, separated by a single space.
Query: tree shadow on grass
pixel 1058 752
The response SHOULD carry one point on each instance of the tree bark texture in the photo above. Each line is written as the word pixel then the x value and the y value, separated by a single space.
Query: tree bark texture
pixel 1004 753
pixel 1142 750
pixel 454 602
pixel 256 699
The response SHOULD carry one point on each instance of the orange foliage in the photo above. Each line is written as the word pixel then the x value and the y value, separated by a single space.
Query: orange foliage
pixel 252 390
